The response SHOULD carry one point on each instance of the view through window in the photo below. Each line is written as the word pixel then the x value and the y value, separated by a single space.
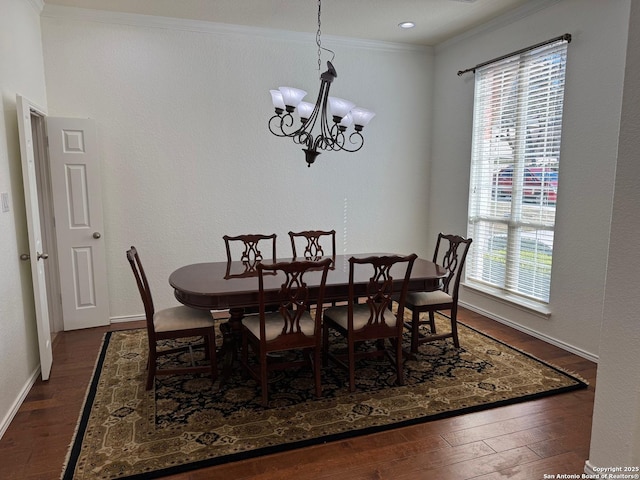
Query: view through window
pixel 514 171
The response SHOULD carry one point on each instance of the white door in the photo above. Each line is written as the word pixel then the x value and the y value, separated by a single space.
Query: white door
pixel 37 258
pixel 77 203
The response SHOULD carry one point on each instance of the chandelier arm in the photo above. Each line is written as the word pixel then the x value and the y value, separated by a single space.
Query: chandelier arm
pixel 311 121
pixel 303 138
pixel 319 142
pixel 338 138
pixel 278 124
pixel 359 142
pixel 303 135
pixel 326 131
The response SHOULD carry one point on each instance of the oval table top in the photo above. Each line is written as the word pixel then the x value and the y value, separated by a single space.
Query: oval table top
pixel 220 285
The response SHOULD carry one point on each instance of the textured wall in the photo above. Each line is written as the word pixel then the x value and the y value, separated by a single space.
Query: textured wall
pixel 21 71
pixel 593 95
pixel 182 114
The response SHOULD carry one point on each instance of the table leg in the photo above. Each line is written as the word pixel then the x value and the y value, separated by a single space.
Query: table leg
pixel 231 342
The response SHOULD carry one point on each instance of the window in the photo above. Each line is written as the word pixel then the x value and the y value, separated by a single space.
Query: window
pixel 517 125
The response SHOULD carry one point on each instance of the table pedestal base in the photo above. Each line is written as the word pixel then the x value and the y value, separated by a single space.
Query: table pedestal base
pixel 231 342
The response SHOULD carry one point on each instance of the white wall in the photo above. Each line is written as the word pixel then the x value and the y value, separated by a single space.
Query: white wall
pixel 593 95
pixel 615 440
pixel 182 110
pixel 21 71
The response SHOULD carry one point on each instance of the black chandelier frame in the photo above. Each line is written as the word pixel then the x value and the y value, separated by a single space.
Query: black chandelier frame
pixel 331 137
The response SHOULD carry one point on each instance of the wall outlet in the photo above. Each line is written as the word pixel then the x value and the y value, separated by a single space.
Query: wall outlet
pixel 4 200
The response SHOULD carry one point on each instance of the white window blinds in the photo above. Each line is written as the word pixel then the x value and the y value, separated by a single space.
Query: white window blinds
pixel 514 171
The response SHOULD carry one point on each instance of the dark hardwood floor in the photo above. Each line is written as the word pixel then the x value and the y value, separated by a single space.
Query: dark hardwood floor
pixel 522 441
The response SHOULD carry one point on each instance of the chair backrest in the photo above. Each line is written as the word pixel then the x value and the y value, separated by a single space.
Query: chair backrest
pixel 293 297
pixel 250 254
pixel 382 288
pixel 143 284
pixel 314 239
pixel 450 255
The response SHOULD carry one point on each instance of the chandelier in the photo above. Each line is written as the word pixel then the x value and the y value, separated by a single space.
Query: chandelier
pixel 344 113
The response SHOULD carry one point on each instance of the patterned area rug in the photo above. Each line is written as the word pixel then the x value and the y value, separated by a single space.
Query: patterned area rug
pixel 125 432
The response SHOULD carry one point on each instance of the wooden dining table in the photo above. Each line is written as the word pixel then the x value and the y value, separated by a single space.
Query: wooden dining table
pixel 234 286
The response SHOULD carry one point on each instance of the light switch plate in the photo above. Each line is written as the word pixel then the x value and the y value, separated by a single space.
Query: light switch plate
pixel 4 199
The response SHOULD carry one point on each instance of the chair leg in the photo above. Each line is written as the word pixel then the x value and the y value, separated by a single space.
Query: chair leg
pixel 151 369
pixel 454 326
pixel 211 348
pixel 352 365
pixel 399 361
pixel 325 344
pixel 316 369
pixel 432 322
pixel 415 324
pixel 207 347
pixel 263 380
pixel 245 355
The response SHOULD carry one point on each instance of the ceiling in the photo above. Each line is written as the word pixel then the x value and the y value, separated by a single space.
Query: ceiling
pixel 436 20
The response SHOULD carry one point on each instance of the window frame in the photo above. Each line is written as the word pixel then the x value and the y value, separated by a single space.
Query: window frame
pixel 514 123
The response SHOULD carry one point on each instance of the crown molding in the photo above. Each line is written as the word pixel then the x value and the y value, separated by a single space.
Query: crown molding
pixel 38 5
pixel 525 10
pixel 199 26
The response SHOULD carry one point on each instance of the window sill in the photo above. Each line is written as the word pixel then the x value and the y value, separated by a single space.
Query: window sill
pixel 530 306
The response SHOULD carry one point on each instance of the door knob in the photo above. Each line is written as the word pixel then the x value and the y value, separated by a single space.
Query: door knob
pixel 42 256
pixel 96 235
pixel 25 257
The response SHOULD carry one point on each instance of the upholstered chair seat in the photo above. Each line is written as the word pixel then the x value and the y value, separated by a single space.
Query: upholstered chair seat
pixel 420 299
pixel 361 315
pixel 273 325
pixel 181 318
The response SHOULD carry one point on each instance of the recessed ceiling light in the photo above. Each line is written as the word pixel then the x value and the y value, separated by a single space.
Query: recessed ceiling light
pixel 406 25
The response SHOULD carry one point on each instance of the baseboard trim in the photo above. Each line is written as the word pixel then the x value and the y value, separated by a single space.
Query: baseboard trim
pixel 126 318
pixel 590 469
pixel 541 336
pixel 8 418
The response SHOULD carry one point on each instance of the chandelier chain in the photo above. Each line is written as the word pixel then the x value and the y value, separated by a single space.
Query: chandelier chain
pixel 318 39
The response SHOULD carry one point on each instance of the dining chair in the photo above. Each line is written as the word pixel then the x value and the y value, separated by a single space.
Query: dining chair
pixel 246 248
pixel 450 253
pixel 290 327
pixel 313 241
pixel 373 319
pixel 173 323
